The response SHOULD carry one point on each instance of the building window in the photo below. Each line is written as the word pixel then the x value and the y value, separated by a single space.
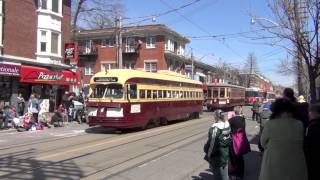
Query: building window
pixel 88 69
pixel 55 6
pixel 151 42
pixel 43 41
pixel 150 66
pixel 54 43
pixel 44 4
pixel 107 43
pixel 129 65
pixel 169 46
pixel 106 66
pixel 130 45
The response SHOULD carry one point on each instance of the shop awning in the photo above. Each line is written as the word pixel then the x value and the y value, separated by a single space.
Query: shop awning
pixel 32 74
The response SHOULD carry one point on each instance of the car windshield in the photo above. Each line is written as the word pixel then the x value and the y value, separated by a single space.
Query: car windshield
pixel 108 91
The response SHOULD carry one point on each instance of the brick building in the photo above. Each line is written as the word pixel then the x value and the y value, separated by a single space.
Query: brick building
pixel 148 47
pixel 256 80
pixel 32 38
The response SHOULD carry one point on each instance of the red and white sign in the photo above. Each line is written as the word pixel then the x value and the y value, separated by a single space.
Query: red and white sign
pixel 30 74
pixel 71 52
pixel 9 69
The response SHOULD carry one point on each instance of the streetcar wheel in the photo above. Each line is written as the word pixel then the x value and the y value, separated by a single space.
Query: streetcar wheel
pixel 156 122
pixel 163 121
pixel 196 115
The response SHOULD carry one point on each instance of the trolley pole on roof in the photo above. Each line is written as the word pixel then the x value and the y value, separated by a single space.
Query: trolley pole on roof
pixel 192 65
pixel 119 41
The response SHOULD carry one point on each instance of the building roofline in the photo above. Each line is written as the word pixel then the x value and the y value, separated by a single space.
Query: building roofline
pixel 139 31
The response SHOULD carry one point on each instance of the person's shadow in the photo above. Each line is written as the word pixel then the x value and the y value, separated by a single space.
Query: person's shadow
pixel 206 175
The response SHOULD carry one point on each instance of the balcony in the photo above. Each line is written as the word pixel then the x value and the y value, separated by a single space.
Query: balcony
pixel 87 51
pixel 130 49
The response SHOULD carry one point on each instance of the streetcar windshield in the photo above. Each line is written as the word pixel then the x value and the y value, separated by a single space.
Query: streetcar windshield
pixel 114 91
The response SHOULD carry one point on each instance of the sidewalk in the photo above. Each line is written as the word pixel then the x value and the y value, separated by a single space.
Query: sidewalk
pixel 252 159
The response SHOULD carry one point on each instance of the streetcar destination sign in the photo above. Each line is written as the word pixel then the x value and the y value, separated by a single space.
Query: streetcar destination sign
pixel 105 79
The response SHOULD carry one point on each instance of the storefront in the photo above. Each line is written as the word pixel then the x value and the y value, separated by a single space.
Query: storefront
pixel 9 79
pixel 46 83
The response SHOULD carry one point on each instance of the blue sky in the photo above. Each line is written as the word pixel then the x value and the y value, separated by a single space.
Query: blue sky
pixel 217 17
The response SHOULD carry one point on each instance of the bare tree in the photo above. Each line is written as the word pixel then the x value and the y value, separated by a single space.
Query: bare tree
pixel 294 26
pixel 95 14
pixel 250 68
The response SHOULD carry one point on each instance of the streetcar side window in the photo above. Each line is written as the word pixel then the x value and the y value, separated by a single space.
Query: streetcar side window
pixel 133 91
pixel 142 93
pixel 228 92
pixel 184 94
pixel 169 94
pixel 215 93
pixel 222 92
pixel 159 93
pixel 173 94
pixel 149 94
pixel 180 94
pixel 164 93
pixel 154 94
pixel 209 93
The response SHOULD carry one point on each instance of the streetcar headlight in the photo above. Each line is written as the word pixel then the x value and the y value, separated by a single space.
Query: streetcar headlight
pixel 92 111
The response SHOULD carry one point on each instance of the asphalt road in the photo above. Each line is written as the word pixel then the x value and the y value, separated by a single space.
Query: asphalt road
pixel 78 152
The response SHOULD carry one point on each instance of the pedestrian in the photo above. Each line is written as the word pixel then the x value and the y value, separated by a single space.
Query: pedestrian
pixel 255 110
pixel 264 117
pixel 33 107
pixel 21 104
pixel 301 108
pixel 312 143
pixel 237 123
pixel 217 146
pixel 282 140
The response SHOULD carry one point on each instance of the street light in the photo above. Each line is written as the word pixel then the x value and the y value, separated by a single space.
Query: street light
pixel 254 20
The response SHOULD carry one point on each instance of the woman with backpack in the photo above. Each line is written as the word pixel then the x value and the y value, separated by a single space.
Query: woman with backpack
pixel 282 140
pixel 238 125
pixel 217 146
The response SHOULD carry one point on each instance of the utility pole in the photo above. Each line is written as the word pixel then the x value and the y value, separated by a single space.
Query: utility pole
pixel 251 71
pixel 119 41
pixel 192 65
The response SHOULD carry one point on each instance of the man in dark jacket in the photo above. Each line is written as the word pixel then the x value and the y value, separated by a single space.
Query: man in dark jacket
pixel 302 107
pixel 255 110
pixel 312 143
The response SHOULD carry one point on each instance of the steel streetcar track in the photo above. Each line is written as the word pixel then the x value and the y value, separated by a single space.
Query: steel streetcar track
pixel 148 152
pixel 112 147
pixel 41 141
pixel 53 140
pixel 139 139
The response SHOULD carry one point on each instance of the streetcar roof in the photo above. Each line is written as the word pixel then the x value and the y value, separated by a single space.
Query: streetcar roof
pixel 224 85
pixel 123 75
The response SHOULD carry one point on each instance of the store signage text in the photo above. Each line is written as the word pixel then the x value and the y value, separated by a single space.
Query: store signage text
pixel 9 69
pixel 44 76
pixel 105 79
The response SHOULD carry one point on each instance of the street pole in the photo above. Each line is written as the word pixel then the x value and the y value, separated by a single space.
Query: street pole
pixel 192 65
pixel 119 41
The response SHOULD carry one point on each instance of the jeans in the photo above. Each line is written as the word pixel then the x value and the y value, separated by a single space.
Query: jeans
pixel 255 116
pixel 220 173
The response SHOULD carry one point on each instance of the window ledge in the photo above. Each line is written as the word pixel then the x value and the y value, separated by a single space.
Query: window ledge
pixel 48 12
pixel 43 54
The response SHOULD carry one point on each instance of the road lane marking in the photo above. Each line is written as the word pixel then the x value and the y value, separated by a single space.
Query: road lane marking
pixel 45 157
